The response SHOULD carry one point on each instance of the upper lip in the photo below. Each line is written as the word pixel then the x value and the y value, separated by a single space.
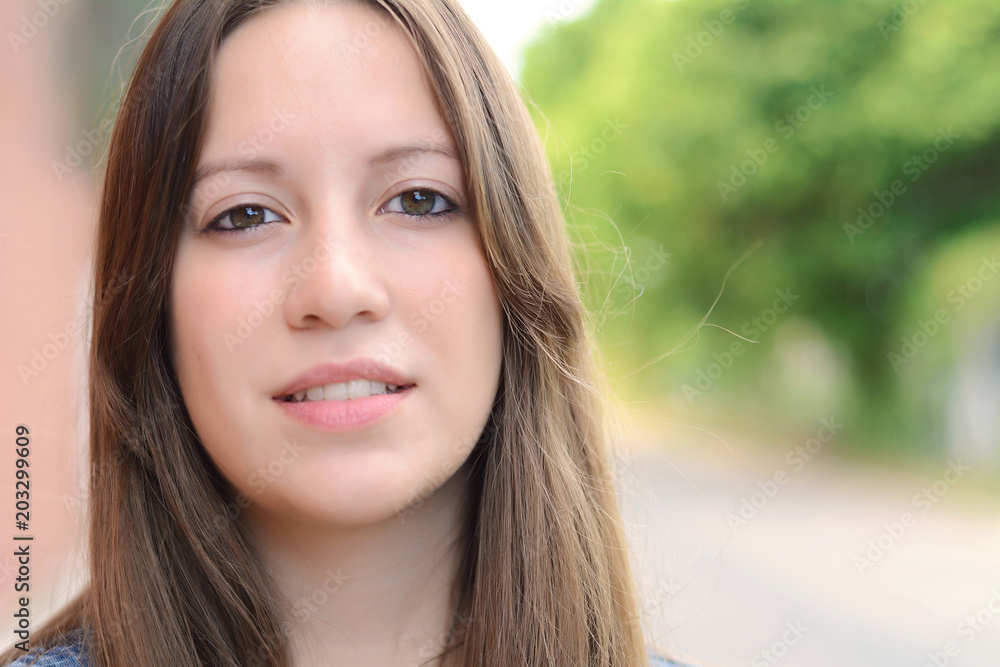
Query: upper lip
pixel 361 368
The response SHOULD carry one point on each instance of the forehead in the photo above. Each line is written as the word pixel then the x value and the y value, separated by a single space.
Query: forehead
pixel 334 77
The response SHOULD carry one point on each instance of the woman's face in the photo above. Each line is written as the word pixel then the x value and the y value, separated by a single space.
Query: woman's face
pixel 328 227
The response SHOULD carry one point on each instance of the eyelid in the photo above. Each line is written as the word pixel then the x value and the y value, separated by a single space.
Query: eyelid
pixel 214 227
pixel 225 206
pixel 428 191
pixel 456 206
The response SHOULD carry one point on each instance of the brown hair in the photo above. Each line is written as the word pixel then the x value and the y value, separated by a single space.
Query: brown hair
pixel 546 580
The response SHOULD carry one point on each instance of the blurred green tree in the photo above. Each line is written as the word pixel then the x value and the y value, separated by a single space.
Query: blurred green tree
pixel 840 144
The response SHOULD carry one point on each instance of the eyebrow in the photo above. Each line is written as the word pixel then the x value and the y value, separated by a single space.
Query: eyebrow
pixel 257 166
pixel 404 152
pixel 268 167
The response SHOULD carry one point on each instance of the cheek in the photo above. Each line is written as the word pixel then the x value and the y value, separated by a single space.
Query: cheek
pixel 458 318
pixel 199 310
pixel 214 312
pixel 212 340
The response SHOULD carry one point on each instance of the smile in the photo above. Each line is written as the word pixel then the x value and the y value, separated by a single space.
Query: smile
pixel 343 391
pixel 358 410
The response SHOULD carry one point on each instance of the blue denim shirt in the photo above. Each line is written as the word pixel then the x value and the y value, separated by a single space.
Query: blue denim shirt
pixel 73 653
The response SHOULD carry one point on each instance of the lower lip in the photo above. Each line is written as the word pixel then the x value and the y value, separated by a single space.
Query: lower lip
pixel 343 416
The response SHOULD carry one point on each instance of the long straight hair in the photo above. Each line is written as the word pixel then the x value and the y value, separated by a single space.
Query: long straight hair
pixel 546 580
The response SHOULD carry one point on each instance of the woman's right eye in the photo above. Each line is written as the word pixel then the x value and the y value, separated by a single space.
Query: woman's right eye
pixel 243 217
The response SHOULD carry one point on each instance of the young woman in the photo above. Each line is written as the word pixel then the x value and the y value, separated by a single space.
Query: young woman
pixel 344 404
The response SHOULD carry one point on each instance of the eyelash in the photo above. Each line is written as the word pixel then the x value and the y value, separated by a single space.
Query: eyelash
pixel 214 228
pixel 452 207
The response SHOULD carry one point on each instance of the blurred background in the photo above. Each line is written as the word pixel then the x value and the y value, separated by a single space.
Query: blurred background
pixel 787 225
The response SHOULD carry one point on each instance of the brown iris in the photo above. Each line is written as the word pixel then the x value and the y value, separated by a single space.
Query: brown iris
pixel 247 216
pixel 417 203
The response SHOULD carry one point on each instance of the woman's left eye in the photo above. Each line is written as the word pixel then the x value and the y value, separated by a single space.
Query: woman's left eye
pixel 244 216
pixel 419 203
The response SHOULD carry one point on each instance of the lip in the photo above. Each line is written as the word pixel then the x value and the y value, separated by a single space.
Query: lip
pixel 359 368
pixel 349 415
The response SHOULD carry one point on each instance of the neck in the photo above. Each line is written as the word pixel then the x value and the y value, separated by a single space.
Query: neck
pixel 377 594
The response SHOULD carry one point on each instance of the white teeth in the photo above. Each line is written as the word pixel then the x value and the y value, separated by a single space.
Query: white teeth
pixel 359 389
pixel 335 392
pixel 343 391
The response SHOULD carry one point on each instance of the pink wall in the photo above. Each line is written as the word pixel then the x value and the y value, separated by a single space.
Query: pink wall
pixel 45 238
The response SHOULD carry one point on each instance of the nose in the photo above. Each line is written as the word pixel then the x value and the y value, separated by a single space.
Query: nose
pixel 337 275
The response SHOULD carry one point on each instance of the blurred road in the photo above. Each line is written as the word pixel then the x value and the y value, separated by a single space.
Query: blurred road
pixel 824 564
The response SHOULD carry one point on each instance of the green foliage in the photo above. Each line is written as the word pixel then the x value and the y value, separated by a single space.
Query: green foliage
pixel 846 142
